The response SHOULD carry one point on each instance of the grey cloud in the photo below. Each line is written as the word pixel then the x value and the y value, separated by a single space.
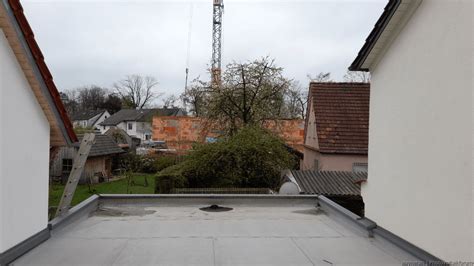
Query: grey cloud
pixel 89 42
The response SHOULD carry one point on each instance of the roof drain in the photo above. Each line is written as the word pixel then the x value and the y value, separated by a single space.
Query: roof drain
pixel 215 208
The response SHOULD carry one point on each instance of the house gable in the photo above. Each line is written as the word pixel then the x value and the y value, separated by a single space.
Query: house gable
pixel 340 111
pixel 21 39
pixel 311 136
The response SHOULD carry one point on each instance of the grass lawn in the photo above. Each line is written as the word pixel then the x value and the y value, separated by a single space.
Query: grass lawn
pixel 114 187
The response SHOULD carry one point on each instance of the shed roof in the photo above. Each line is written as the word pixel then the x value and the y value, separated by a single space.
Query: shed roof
pixel 341 110
pixel 329 183
pixel 103 145
pixel 21 38
pixel 142 115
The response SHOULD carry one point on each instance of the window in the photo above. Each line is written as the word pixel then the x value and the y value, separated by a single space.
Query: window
pixel 129 126
pixel 67 165
pixel 359 167
pixel 316 164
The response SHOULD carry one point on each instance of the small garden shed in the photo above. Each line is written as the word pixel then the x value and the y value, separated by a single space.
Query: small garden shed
pixel 98 165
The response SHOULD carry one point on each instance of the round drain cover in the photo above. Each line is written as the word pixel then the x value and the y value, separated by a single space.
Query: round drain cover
pixel 215 208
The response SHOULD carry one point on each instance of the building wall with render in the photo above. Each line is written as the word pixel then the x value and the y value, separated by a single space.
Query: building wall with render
pixel 24 155
pixel 420 148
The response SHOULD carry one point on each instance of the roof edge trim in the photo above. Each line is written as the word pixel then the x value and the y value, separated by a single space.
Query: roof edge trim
pixel 374 35
pixel 395 16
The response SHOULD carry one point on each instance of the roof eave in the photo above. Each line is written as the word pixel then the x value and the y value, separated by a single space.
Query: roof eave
pixel 56 106
pixel 343 152
pixel 401 10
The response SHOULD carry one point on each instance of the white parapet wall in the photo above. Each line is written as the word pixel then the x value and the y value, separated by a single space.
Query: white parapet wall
pixel 24 155
pixel 420 149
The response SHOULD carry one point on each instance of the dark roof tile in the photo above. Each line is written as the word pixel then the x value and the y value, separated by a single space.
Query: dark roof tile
pixel 86 115
pixel 142 115
pixel 103 145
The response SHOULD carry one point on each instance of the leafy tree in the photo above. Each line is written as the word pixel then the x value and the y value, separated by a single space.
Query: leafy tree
pixel 253 157
pixel 250 93
pixel 113 103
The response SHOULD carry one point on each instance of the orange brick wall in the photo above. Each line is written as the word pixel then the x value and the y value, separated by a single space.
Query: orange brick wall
pixel 180 132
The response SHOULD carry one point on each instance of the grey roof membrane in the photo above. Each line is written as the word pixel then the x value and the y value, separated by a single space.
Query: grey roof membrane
pixel 257 231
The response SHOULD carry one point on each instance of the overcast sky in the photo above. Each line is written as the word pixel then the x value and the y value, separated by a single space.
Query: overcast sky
pixel 99 42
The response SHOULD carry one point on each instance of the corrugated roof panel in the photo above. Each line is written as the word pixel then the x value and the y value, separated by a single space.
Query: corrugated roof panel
pixel 329 183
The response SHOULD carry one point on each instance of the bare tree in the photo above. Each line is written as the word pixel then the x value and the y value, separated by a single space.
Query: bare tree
pixel 136 91
pixel 295 101
pixel 321 77
pixel 170 101
pixel 197 97
pixel 91 97
pixel 357 76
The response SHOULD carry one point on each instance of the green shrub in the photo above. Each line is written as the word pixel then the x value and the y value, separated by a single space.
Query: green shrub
pixel 145 164
pixel 170 178
pixel 253 157
pixel 130 162
pixel 164 162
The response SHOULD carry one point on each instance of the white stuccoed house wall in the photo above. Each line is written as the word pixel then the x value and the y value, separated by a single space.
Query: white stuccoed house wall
pixel 420 140
pixel 24 155
pixel 101 119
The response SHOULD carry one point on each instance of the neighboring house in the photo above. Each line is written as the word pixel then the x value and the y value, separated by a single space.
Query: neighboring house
pixel 180 133
pixel 336 129
pixel 420 183
pixel 137 123
pixel 123 140
pixel 341 187
pixel 98 164
pixel 34 124
pixel 89 118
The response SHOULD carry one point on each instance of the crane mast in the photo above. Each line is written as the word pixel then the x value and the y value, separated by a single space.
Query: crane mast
pixel 218 8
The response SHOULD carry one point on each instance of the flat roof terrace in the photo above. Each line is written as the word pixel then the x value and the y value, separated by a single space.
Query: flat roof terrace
pixel 174 230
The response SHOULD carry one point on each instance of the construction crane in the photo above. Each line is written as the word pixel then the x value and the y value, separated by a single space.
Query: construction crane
pixel 218 9
pixel 188 55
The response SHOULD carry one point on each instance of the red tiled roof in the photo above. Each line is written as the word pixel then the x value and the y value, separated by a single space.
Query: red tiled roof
pixel 342 116
pixel 43 69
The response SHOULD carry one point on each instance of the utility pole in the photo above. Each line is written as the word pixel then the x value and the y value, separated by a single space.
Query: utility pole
pixel 218 9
